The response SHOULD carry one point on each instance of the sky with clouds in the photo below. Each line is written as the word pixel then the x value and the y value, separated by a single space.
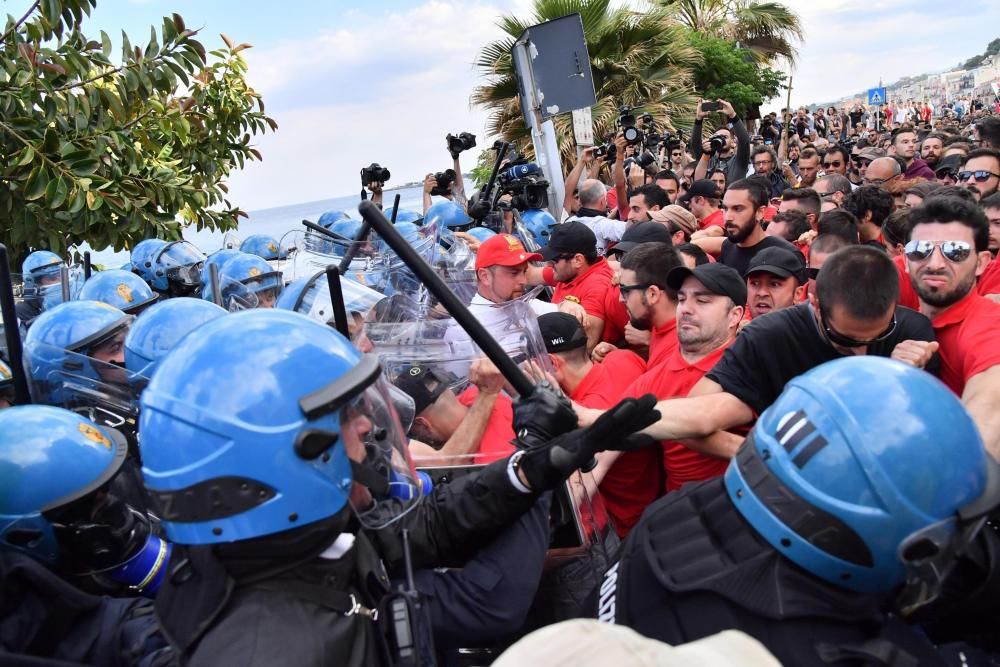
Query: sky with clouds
pixel 351 83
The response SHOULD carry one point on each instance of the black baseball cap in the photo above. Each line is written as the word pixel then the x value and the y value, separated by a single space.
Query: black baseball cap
pixel 718 278
pixel 422 384
pixel 569 238
pixel 561 332
pixel 701 188
pixel 950 163
pixel 781 262
pixel 646 231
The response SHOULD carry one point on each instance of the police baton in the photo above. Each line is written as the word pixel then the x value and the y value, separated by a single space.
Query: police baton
pixel 337 300
pixel 11 330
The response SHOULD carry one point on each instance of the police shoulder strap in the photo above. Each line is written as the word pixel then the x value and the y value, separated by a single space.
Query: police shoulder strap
pixel 345 604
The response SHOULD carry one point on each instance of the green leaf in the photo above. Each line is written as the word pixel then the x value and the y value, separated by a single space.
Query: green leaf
pixel 27 155
pixel 37 181
pixel 105 44
pixel 85 167
pixel 61 192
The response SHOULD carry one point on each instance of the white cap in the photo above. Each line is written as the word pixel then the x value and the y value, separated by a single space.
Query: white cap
pixel 585 642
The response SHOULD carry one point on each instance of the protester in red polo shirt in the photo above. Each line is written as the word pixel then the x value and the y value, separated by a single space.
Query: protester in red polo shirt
pixel 597 386
pixel 948 249
pixel 710 302
pixel 702 199
pixel 578 273
pixel 650 303
pixel 615 315
pixel 477 421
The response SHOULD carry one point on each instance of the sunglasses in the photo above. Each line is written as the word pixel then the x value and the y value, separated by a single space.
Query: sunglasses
pixel 981 175
pixel 878 181
pixel 861 162
pixel 837 164
pixel 813 273
pixel 846 341
pixel 954 251
pixel 625 289
pixel 558 258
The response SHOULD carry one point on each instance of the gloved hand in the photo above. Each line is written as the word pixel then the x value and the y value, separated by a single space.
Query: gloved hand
pixel 543 416
pixel 546 466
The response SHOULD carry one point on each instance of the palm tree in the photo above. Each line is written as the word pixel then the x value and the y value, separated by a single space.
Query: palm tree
pixel 765 29
pixel 638 59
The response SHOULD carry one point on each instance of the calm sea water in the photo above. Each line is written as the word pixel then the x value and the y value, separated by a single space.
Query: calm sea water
pixel 276 222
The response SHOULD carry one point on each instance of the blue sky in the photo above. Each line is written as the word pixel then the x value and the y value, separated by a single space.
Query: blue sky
pixel 350 82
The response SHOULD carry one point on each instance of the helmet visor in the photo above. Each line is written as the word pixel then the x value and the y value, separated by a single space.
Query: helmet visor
pixel 386 485
pixel 188 275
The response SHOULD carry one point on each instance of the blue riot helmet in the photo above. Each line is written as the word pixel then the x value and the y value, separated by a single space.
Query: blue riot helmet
pixel 262 246
pixel 296 437
pixel 311 297
pixel 6 385
pixel 122 289
pixel 142 258
pixel 248 281
pixel 74 358
pixel 347 228
pixel 539 224
pixel 481 233
pixel 837 488
pixel 447 214
pixel 217 258
pixel 59 505
pixel 176 269
pixel 42 273
pixel 330 217
pixel 403 215
pixel 161 327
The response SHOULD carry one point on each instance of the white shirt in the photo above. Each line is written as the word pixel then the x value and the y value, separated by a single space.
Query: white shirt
pixel 605 229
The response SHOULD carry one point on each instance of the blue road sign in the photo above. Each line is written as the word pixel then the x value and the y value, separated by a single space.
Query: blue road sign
pixel 876 96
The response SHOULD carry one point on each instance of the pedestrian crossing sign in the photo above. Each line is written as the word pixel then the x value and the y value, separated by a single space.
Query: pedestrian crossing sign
pixel 876 96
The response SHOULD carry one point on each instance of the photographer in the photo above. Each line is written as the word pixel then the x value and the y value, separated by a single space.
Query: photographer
pixel 769 130
pixel 587 161
pixel 449 183
pixel 728 149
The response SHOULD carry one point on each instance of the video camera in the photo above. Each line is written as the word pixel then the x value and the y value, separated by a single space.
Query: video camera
pixel 525 181
pixel 444 180
pixel 373 173
pixel 626 121
pixel 463 142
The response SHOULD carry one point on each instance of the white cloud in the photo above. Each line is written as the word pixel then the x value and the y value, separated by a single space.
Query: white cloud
pixel 386 89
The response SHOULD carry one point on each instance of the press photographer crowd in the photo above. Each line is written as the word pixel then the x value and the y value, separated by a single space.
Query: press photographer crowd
pixel 735 402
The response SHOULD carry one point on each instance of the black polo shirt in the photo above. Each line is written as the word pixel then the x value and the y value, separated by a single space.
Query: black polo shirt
pixel 739 257
pixel 786 343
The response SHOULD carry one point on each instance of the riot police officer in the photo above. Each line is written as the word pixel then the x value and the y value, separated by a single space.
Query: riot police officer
pixel 850 497
pixel 272 452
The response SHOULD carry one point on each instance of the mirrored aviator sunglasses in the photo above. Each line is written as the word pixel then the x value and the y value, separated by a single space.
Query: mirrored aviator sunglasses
pixel 954 251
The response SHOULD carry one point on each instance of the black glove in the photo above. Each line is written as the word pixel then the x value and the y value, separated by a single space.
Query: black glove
pixel 546 466
pixel 544 415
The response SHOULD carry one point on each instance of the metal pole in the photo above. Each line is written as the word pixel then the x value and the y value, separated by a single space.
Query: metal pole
pixel 213 278
pixel 337 300
pixel 87 268
pixel 11 331
pixel 64 282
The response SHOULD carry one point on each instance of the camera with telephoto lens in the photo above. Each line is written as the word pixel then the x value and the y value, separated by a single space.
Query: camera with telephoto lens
pixel 373 173
pixel 444 180
pixel 525 181
pixel 717 144
pixel 626 121
pixel 462 142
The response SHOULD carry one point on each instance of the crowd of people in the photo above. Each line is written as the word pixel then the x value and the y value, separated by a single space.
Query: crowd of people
pixel 747 382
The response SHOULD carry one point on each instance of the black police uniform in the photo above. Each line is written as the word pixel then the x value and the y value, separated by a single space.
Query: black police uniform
pixel 693 567
pixel 218 610
pixel 44 616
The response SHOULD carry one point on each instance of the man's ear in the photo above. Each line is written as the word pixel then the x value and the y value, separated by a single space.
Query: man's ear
pixel 800 293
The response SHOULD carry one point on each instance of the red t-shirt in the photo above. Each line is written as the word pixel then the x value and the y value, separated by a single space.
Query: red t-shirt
pixel 615 316
pixel 499 434
pixel 717 219
pixel 634 480
pixel 675 378
pixel 662 343
pixel 969 335
pixel 589 287
pixel 988 283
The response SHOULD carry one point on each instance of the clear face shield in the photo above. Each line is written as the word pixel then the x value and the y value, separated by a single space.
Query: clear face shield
pixel 384 485
pixel 183 264
pixel 93 383
pixel 48 286
pixel 266 287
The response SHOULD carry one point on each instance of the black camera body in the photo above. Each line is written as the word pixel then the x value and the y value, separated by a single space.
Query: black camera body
pixel 608 150
pixel 527 185
pixel 463 142
pixel 373 173
pixel 717 144
pixel 444 180
pixel 626 121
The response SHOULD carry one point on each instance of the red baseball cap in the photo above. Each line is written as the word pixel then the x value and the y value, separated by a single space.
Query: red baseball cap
pixel 503 250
